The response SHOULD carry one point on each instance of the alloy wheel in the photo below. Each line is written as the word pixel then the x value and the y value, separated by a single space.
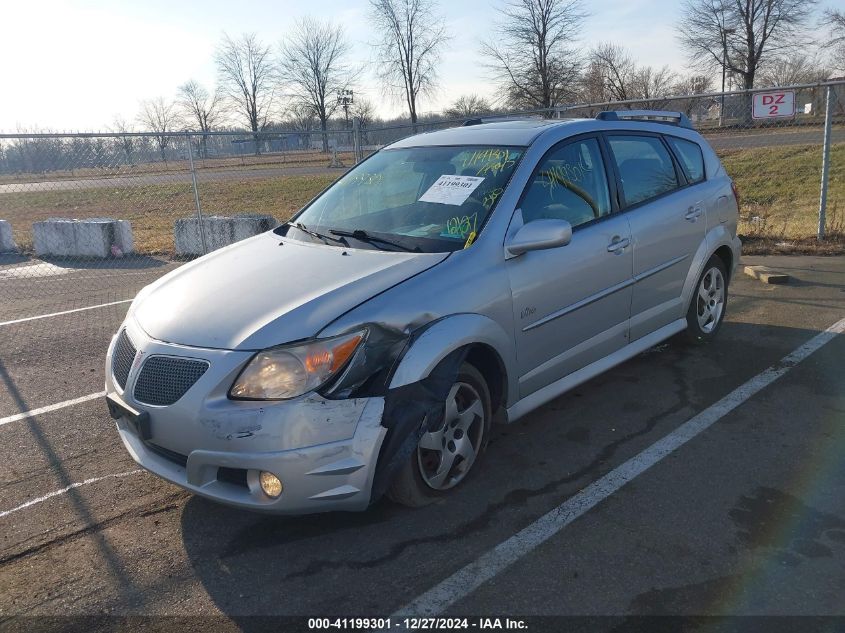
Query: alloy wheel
pixel 711 300
pixel 445 456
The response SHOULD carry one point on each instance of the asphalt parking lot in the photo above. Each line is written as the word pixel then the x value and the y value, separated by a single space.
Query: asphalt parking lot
pixel 747 517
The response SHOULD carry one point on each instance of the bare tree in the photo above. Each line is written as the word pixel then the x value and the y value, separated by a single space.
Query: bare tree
pixel 612 75
pixel 246 72
pixel 741 34
pixel 653 85
pixel 835 19
pixel 694 84
pixel 533 56
pixel 313 67
pixel 159 116
pixel 794 70
pixel 467 106
pixel 611 71
pixel 412 36
pixel 301 118
pixel 200 108
pixel 592 84
pixel 365 111
pixel 125 143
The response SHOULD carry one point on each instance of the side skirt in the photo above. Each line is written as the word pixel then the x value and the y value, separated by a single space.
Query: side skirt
pixel 559 387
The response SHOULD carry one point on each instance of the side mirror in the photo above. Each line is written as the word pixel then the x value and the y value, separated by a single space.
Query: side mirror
pixel 540 235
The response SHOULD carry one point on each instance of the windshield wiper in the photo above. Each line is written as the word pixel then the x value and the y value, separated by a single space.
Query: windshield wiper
pixel 360 234
pixel 319 236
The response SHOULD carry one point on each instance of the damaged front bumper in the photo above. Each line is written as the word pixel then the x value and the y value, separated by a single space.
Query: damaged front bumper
pixel 324 451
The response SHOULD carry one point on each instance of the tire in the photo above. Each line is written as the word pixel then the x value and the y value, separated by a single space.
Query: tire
pixel 421 480
pixel 709 302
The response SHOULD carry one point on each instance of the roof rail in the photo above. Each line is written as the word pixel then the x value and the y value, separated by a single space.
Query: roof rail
pixel 655 116
pixel 500 119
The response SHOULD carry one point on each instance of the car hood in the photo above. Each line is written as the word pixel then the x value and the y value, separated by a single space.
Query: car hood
pixel 268 290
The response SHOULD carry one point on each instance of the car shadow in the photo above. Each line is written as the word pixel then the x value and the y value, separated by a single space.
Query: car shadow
pixel 371 563
pixel 127 262
pixel 9 259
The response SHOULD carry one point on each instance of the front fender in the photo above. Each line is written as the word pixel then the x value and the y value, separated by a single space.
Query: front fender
pixel 446 335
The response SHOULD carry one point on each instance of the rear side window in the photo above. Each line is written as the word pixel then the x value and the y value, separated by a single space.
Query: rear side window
pixel 645 167
pixel 690 156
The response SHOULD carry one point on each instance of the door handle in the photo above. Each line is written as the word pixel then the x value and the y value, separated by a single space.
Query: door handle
pixel 618 245
pixel 693 213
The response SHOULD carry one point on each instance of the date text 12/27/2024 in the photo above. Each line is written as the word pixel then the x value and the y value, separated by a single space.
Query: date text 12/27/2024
pixel 414 624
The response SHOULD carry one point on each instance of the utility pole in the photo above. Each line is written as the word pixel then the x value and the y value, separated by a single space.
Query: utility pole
pixel 345 98
pixel 725 33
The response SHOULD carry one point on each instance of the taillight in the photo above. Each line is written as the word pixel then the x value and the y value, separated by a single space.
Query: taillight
pixel 736 193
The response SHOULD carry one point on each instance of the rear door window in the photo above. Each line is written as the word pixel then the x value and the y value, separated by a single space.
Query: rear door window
pixel 645 167
pixel 690 156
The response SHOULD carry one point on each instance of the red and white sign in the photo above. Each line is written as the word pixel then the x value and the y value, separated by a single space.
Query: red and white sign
pixel 773 105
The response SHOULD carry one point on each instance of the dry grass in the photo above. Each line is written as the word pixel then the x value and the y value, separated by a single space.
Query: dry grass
pixel 779 189
pixel 833 244
pixel 153 209
pixel 281 160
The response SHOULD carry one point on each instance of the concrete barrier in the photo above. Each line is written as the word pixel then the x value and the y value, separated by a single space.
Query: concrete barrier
pixel 7 241
pixel 94 237
pixel 220 231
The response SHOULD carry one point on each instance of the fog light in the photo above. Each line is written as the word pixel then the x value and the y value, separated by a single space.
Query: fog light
pixel 270 484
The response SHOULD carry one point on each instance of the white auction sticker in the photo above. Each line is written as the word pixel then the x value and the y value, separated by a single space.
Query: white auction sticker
pixel 451 189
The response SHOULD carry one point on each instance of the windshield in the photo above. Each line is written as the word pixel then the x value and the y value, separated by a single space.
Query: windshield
pixel 427 199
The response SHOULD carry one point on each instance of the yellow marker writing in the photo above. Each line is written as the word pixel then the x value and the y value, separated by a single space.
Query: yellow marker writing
pixel 470 240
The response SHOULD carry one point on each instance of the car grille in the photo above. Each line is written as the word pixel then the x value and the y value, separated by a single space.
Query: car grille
pixel 165 379
pixel 121 363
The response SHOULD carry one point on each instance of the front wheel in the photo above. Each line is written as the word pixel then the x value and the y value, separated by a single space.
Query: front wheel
pixel 445 456
pixel 709 302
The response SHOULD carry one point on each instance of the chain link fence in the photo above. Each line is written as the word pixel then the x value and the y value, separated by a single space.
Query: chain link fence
pixel 86 220
pixel 773 142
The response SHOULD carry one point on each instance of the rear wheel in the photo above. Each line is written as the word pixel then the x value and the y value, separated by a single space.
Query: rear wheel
pixel 445 456
pixel 709 302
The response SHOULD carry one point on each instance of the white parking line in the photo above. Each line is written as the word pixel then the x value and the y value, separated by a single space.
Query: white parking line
pixel 51 407
pixel 56 493
pixel 488 565
pixel 55 314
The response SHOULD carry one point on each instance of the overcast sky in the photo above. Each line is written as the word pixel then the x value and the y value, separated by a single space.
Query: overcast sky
pixel 77 64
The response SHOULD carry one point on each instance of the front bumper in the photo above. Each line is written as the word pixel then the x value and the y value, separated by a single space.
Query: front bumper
pixel 324 451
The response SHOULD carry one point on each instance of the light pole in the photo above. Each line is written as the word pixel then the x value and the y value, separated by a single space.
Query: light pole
pixel 725 33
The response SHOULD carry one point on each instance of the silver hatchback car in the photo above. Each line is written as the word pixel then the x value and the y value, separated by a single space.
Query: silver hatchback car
pixel 451 279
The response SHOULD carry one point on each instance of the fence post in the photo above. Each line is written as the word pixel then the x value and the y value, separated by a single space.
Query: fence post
pixel 356 139
pixel 828 120
pixel 196 193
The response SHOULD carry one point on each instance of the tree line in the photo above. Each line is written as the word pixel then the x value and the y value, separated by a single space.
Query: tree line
pixel 533 57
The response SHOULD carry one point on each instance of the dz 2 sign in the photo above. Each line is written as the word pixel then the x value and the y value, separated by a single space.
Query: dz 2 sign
pixel 773 105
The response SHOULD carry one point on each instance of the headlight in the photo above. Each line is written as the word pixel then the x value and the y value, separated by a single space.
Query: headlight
pixel 287 372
